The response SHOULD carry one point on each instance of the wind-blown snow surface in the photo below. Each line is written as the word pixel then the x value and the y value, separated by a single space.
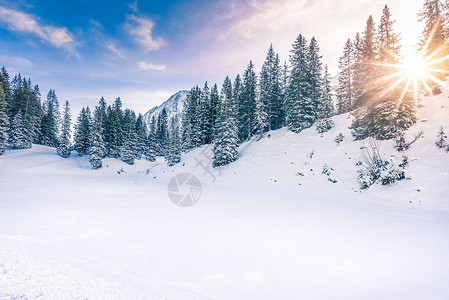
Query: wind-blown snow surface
pixel 70 232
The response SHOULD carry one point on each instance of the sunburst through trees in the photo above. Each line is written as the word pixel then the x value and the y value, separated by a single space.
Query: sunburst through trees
pixel 381 85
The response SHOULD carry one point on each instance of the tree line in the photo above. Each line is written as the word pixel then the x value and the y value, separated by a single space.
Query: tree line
pixel 295 95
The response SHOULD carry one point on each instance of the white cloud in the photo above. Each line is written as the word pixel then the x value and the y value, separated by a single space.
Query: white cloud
pixel 142 30
pixel 22 22
pixel 112 47
pixel 143 66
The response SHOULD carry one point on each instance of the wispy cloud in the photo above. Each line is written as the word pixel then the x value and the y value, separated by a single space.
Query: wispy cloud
pixel 141 29
pixel 144 66
pixel 113 48
pixel 133 6
pixel 22 22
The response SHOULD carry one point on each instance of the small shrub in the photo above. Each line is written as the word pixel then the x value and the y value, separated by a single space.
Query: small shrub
pixel 339 138
pixel 324 125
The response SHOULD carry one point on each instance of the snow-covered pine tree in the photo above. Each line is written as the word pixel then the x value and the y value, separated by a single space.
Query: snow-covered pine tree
pixel 388 41
pixel 238 92
pixel 51 98
pixel 226 131
pixel 345 101
pixel 64 146
pixel 83 129
pixel 19 137
pixel 405 111
pixel 96 149
pixel 270 91
pixel 128 152
pixel 191 136
pixel 368 65
pixel 434 39
pixel 247 106
pixel 360 127
pixel 25 98
pixel 151 144
pixel 113 134
pixel 4 122
pixel 204 116
pixel 4 82
pixel 51 121
pixel 174 144
pixel 357 71
pixel 300 110
pixel 325 107
pixel 214 108
pixel 316 75
pixel 142 136
pixel 162 133
pixel 441 141
pixel 284 87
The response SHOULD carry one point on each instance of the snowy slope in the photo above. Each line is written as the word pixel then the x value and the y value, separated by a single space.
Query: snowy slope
pixel 173 106
pixel 260 230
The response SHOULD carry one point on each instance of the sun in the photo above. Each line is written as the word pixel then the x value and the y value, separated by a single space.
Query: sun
pixel 415 67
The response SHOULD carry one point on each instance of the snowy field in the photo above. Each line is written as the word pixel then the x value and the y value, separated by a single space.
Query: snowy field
pixel 259 231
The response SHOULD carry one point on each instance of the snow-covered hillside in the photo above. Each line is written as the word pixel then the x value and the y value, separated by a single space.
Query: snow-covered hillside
pixel 269 226
pixel 172 105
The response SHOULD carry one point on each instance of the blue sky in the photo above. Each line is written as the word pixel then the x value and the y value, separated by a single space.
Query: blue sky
pixel 144 51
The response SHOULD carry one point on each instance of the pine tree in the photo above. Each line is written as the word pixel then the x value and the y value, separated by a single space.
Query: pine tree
pixel 325 107
pixel 151 144
pixel 441 141
pixel 316 75
pixel 174 145
pixel 434 38
pixel 64 146
pixel 204 116
pixel 300 107
pixel 345 101
pixel 96 149
pixel 25 98
pixel 357 71
pixel 113 130
pixel 214 107
pixel 4 122
pixel 391 114
pixel 270 91
pixel 191 135
pixel 142 135
pixel 49 131
pixel 388 40
pixel 83 128
pixel 19 137
pixel 368 66
pixel 226 131
pixel 284 87
pixel 247 106
pixel 128 151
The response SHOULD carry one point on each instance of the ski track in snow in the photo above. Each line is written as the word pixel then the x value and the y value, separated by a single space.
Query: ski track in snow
pixel 260 230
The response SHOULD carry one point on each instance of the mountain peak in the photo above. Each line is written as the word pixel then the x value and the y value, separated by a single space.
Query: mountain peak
pixel 172 105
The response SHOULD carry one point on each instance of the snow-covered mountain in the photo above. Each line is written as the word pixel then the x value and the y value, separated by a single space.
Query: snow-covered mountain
pixel 172 105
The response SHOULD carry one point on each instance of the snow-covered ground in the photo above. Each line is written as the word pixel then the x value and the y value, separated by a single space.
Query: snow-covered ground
pixel 260 230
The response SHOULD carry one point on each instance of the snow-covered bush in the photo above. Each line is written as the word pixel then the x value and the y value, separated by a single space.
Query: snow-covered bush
pixel 339 138
pixel 375 169
pixel 324 125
